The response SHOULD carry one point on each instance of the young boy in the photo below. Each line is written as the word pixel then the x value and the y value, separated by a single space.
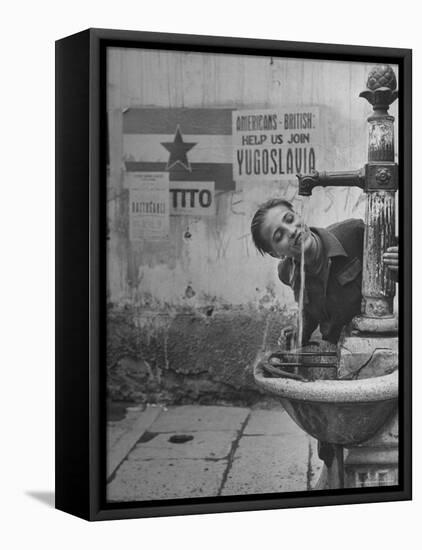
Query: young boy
pixel 333 264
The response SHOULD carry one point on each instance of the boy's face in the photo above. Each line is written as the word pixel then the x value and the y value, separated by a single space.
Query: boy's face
pixel 284 233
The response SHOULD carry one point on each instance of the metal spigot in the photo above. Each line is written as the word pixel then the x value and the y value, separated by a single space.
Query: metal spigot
pixel 352 178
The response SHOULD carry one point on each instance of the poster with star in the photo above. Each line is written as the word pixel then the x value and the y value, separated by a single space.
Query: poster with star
pixel 193 146
pixel 190 144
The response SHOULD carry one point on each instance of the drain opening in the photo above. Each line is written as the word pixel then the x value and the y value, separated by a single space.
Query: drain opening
pixel 180 438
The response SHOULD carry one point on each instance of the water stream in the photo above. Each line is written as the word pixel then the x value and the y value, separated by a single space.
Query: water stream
pixel 303 219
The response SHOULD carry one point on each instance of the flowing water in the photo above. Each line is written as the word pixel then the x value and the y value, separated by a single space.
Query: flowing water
pixel 303 218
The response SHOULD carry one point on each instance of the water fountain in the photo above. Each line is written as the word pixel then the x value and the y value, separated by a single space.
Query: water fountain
pixel 348 401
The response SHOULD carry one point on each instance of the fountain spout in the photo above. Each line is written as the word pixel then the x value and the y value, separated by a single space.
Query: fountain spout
pixel 307 182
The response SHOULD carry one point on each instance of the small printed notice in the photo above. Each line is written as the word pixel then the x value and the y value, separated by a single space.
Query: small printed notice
pixel 148 206
pixel 192 198
pixel 274 144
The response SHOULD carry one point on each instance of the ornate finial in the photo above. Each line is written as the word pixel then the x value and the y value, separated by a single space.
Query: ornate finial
pixel 381 76
pixel 381 88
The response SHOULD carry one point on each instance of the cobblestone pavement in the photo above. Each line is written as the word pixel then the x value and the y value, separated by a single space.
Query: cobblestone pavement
pixel 202 451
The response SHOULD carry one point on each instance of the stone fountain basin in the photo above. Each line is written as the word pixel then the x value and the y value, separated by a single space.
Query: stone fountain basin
pixel 343 412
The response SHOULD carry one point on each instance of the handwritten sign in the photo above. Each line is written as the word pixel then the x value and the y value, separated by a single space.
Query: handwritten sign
pixel 274 144
pixel 148 205
pixel 192 198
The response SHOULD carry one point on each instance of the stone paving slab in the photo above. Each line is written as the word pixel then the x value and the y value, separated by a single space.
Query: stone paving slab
pixel 270 422
pixel 117 428
pixel 208 444
pixel 278 422
pixel 164 479
pixel 126 434
pixel 254 451
pixel 198 418
pixel 269 464
pixel 114 433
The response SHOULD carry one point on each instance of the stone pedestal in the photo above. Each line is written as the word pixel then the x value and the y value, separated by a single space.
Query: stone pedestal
pixel 374 463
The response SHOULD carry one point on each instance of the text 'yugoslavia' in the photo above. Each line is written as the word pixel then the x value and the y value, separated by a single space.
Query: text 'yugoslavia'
pixel 275 161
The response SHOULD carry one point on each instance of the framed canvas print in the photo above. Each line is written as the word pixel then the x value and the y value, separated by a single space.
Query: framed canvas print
pixel 233 274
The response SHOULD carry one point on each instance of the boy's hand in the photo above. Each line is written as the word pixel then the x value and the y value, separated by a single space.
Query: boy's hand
pixel 391 259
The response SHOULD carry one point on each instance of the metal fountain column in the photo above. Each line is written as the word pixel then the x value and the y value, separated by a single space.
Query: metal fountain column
pixel 378 288
pixel 379 179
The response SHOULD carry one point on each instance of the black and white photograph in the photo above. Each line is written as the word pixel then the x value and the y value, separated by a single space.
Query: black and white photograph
pixel 252 275
pixel 211 306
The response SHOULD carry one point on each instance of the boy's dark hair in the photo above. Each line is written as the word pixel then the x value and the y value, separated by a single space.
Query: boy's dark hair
pixel 261 245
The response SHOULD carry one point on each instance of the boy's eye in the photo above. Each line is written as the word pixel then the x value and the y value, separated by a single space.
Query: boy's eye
pixel 278 235
pixel 288 218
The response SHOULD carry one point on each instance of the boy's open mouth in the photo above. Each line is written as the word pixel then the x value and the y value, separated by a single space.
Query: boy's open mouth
pixel 297 238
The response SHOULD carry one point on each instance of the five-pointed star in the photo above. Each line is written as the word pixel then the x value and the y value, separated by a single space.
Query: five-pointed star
pixel 178 149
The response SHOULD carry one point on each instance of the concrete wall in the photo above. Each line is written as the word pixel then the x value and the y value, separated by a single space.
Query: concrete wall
pixel 188 314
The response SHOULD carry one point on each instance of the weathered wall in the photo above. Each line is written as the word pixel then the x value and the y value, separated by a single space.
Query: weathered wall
pixel 187 314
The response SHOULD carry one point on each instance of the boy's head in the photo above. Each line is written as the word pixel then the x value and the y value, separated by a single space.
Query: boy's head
pixel 278 231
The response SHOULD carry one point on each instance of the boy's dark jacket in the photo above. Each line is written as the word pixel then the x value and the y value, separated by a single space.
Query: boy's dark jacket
pixel 334 298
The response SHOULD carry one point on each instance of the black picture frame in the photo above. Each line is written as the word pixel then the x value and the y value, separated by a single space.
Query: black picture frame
pixel 80 272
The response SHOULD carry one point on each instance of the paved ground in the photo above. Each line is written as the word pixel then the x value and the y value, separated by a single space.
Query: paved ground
pixel 196 451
